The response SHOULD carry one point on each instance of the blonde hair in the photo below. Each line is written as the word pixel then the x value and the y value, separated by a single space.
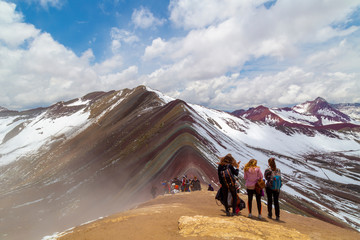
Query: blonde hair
pixel 251 164
pixel 229 159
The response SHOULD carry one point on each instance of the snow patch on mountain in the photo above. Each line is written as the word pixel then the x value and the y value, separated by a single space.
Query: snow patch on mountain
pixel 294 116
pixel 166 99
pixel 326 112
pixel 31 134
pixel 79 102
pixel 350 109
pixel 302 108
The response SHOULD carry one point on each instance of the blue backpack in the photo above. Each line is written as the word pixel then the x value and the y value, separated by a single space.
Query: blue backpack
pixel 276 182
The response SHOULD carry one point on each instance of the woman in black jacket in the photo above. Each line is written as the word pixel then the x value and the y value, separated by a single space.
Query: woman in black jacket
pixel 228 168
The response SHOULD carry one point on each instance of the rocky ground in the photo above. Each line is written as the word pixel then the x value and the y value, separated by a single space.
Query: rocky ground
pixel 196 215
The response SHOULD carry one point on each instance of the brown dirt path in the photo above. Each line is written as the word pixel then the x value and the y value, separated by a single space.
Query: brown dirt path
pixel 196 215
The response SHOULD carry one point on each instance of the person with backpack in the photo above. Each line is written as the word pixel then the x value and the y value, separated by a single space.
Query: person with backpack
pixel 273 185
pixel 227 169
pixel 252 174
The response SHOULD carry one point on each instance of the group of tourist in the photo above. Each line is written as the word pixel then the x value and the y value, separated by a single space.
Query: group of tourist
pixel 184 185
pixel 228 169
pixel 254 183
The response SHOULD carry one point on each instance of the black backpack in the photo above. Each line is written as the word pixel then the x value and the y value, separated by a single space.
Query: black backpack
pixel 227 176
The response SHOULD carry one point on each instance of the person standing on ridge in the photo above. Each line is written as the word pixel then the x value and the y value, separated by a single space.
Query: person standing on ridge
pixel 271 190
pixel 227 169
pixel 252 174
pixel 196 184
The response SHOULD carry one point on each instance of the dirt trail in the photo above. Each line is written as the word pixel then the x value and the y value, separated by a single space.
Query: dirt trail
pixel 196 215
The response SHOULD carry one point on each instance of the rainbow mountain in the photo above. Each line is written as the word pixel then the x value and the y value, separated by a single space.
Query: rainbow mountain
pixel 92 156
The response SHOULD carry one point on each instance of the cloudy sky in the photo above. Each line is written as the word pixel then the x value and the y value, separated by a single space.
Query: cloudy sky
pixel 227 54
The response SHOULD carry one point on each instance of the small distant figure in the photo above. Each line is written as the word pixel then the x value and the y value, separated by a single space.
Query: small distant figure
pixel 273 185
pixel 153 191
pixel 196 184
pixel 252 174
pixel 176 189
pixel 176 181
pixel 165 186
pixel 188 185
pixel 185 185
pixel 210 188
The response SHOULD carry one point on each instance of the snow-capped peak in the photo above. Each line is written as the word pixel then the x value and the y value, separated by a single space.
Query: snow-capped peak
pixel 316 113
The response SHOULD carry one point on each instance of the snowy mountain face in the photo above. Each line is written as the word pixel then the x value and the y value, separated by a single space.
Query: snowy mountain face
pixel 350 109
pixel 314 115
pixel 86 158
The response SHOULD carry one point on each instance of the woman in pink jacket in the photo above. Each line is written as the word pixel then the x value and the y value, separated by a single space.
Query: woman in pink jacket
pixel 252 174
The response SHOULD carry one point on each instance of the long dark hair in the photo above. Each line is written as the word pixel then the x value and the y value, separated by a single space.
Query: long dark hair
pixel 272 163
pixel 229 159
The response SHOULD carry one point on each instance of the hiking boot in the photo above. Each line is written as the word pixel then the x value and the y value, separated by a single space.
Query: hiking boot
pixel 228 214
pixel 260 217
pixel 250 215
pixel 277 218
pixel 269 216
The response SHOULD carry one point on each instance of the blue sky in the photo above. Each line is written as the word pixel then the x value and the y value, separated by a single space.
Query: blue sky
pixel 221 54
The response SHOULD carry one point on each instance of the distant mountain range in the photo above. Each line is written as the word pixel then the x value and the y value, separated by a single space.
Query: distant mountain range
pixel 317 114
pixel 92 156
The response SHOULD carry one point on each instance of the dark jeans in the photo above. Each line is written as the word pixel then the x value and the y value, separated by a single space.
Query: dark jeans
pixel 270 195
pixel 225 192
pixel 250 193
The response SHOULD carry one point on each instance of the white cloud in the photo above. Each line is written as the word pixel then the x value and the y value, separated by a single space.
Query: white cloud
pixel 43 71
pixel 123 35
pixel 143 18
pixel 342 57
pixel 51 3
pixel 110 65
pixel 13 32
pixel 225 35
pixel 293 85
pixel 190 14
pixel 157 48
pixel 119 80
pixel 48 3
pixel 8 14
pixel 120 35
